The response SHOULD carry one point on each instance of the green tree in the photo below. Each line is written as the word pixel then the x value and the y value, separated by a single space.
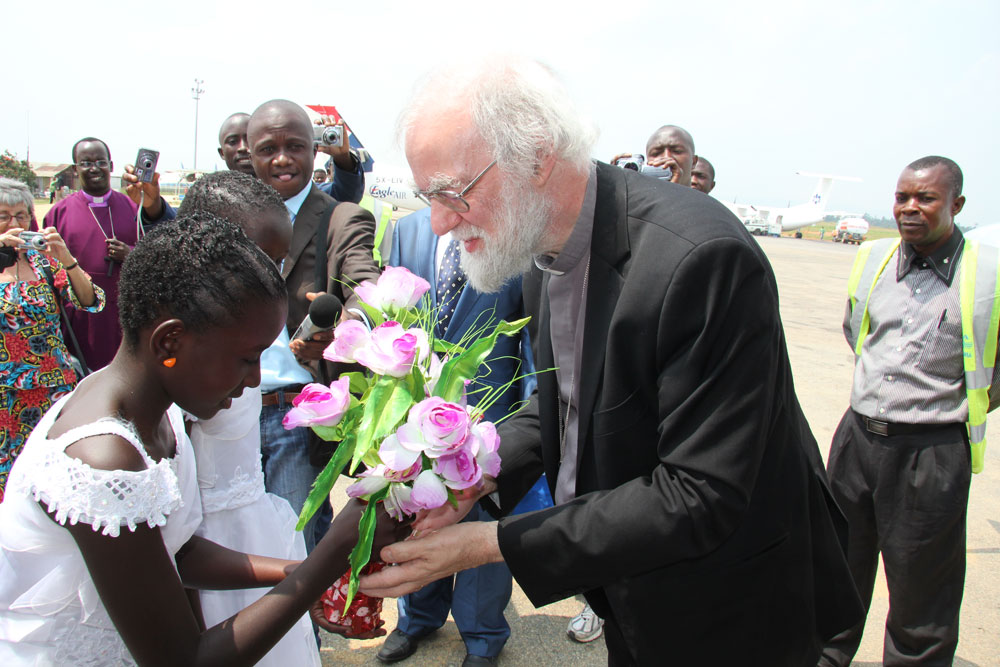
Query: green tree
pixel 19 170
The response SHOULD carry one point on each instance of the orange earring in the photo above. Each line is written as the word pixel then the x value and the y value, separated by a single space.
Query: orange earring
pixel 169 363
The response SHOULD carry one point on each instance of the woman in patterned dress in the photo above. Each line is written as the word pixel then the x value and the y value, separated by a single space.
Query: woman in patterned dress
pixel 35 368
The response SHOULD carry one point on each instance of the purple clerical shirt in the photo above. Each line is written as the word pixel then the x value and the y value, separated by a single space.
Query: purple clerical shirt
pixel 99 334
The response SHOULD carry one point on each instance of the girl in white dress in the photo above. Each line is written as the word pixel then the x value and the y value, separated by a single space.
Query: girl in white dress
pixel 96 544
pixel 238 513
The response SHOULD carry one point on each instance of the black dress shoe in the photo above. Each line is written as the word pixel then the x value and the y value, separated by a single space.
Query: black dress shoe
pixel 472 660
pixel 397 646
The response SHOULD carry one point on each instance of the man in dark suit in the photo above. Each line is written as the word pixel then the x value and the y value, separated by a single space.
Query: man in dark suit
pixel 282 151
pixel 477 597
pixel 692 507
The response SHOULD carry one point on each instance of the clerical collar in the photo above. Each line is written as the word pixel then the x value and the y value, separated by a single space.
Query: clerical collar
pixel 97 202
pixel 578 244
pixel 941 261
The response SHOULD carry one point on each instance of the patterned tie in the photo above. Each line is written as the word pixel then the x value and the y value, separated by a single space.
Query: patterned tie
pixel 451 280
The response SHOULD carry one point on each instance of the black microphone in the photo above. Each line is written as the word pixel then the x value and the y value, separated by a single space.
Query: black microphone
pixel 323 314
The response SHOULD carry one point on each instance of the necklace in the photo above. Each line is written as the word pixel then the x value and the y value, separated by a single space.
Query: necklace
pixel 98 223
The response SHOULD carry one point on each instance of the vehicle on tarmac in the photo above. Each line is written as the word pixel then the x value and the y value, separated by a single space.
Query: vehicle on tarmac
pixel 851 230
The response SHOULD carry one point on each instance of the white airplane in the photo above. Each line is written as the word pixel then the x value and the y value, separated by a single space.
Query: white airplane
pixel 393 187
pixel 784 219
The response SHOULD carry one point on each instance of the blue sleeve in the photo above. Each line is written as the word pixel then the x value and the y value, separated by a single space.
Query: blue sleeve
pixel 347 185
pixel 168 214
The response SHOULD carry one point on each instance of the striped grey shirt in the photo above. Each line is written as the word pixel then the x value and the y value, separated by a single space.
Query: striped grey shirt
pixel 910 370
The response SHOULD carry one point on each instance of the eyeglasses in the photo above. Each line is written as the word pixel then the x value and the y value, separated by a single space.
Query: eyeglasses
pixel 21 218
pixel 453 200
pixel 87 164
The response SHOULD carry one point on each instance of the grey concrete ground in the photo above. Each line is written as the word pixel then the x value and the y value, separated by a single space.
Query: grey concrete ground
pixel 812 277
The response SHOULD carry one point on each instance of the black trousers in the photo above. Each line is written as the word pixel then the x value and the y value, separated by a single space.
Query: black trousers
pixel 904 496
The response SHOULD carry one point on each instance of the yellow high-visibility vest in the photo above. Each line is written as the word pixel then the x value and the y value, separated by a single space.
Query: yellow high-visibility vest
pixel 979 296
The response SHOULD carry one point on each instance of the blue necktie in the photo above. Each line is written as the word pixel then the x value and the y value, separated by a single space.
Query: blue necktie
pixel 451 280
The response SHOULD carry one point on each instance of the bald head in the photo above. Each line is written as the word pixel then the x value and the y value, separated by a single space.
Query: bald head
pixel 281 146
pixel 672 146
pixel 278 114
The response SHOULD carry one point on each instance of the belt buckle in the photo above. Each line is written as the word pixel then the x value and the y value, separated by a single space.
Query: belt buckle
pixel 877 427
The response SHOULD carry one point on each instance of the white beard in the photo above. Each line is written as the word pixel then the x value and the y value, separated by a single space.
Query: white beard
pixel 520 221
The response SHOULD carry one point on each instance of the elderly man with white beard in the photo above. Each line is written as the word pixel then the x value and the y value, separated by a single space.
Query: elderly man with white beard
pixel 692 507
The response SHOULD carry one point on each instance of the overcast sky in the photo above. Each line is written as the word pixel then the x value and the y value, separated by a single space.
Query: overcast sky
pixel 766 88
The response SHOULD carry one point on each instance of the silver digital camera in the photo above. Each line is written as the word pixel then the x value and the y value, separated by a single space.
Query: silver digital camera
pixel 633 162
pixel 34 240
pixel 145 164
pixel 329 135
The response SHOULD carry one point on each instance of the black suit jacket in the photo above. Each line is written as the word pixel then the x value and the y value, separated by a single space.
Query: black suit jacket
pixel 350 237
pixel 703 523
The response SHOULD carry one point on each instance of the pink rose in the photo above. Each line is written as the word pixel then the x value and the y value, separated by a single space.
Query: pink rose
pixel 396 288
pixel 403 500
pixel 459 470
pixel 348 338
pixel 391 350
pixel 484 443
pixel 443 425
pixel 319 405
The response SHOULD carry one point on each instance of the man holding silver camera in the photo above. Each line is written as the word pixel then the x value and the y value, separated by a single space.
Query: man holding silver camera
pixel 669 148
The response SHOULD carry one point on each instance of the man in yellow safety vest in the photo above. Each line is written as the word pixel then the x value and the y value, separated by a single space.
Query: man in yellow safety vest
pixel 922 319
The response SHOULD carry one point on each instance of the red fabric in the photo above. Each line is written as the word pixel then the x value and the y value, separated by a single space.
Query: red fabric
pixel 365 612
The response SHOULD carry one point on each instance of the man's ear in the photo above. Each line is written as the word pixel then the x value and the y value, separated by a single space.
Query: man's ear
pixel 167 339
pixel 220 152
pixel 957 205
pixel 543 168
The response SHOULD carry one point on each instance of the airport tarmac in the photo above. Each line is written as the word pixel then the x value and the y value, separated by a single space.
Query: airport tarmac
pixel 812 278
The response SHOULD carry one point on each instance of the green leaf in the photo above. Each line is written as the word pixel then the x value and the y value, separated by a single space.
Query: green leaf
pixel 451 349
pixel 465 366
pixel 362 551
pixel 375 315
pixel 359 382
pixel 324 482
pixel 386 405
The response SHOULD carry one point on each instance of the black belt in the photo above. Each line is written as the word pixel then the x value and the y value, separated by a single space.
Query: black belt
pixel 879 427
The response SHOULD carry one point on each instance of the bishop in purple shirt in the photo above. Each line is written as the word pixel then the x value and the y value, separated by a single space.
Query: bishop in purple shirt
pixel 100 227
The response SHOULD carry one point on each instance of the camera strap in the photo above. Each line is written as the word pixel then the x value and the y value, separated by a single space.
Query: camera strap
pixel 67 328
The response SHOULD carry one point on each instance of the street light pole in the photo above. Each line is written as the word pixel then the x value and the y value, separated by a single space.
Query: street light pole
pixel 196 93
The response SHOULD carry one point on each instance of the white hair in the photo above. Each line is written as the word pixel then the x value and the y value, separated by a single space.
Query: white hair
pixel 519 106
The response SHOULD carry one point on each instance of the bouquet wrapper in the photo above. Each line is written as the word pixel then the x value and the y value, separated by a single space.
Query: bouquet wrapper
pixel 365 613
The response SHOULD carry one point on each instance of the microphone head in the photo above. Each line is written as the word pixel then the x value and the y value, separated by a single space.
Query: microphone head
pixel 324 311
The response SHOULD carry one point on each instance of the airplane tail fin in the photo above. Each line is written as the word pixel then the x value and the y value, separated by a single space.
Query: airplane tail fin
pixel 823 186
pixel 367 161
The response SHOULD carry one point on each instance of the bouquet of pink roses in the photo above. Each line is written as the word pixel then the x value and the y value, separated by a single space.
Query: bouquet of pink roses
pixel 407 419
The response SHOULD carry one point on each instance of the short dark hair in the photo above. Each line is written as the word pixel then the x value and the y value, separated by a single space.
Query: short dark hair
pixel 239 198
pixel 707 164
pixel 85 139
pixel 198 268
pixel 954 171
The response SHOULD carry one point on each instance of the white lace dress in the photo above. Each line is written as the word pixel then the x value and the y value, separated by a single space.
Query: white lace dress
pixel 50 611
pixel 240 515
